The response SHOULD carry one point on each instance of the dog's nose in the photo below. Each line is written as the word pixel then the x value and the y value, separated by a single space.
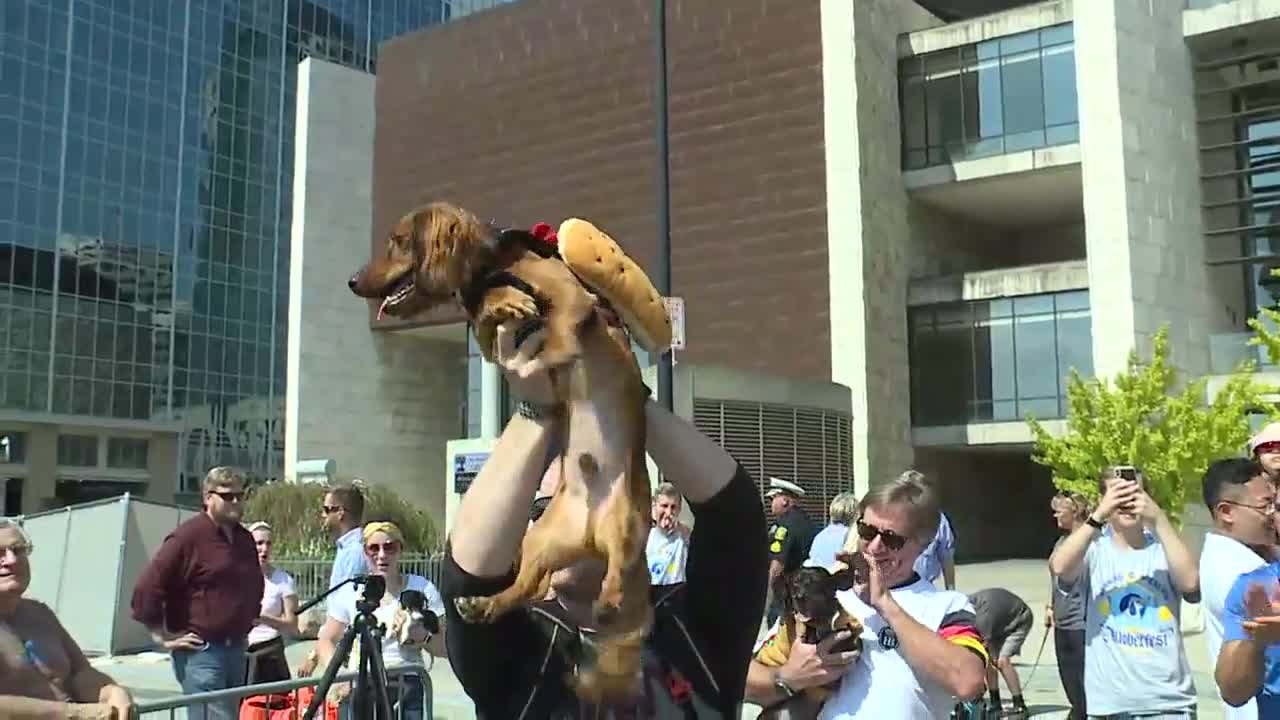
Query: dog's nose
pixel 352 281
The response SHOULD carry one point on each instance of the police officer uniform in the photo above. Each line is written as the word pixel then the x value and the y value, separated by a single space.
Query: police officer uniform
pixel 790 535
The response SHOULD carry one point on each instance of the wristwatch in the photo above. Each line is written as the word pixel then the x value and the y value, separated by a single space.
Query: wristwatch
pixel 1093 522
pixel 529 410
pixel 782 687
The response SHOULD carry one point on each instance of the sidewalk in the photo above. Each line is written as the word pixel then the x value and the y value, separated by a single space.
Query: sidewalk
pixel 150 677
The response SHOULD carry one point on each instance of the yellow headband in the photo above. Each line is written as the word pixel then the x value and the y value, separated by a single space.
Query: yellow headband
pixel 386 527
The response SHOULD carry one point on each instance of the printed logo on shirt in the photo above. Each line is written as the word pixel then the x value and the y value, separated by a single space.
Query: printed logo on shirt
pixel 1137 617
pixel 888 638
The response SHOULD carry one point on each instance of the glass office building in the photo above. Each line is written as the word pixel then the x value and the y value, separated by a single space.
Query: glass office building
pixel 146 155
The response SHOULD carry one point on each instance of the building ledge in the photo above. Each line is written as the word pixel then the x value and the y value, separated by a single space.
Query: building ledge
pixel 987 27
pixel 1000 283
pixel 982 434
pixel 24 417
pixel 1210 16
pixel 1025 161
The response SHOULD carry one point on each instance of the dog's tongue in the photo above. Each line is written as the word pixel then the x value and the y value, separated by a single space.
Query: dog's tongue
pixel 383 307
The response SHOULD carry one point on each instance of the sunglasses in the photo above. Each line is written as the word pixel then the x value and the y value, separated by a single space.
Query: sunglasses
pixel 228 495
pixel 1267 448
pixel 330 509
pixel 390 548
pixel 20 551
pixel 891 539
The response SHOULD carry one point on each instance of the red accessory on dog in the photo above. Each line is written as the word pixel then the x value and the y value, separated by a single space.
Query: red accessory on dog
pixel 543 232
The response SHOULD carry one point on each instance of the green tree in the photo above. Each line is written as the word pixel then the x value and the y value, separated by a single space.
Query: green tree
pixel 293 511
pixel 1266 337
pixel 1140 419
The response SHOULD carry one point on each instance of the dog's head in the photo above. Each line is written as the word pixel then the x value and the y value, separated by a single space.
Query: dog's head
pixel 809 593
pixel 432 254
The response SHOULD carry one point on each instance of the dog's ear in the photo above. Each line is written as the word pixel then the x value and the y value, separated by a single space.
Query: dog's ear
pixel 843 579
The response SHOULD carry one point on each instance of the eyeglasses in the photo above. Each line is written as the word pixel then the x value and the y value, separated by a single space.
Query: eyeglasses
pixel 390 548
pixel 228 495
pixel 330 509
pixel 1266 508
pixel 891 539
pixel 20 550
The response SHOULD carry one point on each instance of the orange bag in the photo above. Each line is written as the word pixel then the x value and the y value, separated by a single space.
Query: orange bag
pixel 281 707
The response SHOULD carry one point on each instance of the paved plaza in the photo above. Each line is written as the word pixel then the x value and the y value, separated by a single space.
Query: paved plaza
pixel 151 678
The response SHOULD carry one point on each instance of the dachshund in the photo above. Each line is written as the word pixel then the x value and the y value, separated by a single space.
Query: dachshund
pixel 441 253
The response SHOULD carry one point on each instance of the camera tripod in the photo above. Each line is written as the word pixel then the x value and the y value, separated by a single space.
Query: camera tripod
pixel 369 697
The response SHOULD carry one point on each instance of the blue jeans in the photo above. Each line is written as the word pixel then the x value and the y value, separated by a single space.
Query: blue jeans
pixel 409 694
pixel 216 667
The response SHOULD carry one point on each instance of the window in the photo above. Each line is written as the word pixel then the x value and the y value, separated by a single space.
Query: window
pixel 127 453
pixel 13 447
pixel 78 450
pixel 999 96
pixel 998 360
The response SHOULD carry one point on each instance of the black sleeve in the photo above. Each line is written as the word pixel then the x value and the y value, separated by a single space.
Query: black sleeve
pixel 725 580
pixel 491 661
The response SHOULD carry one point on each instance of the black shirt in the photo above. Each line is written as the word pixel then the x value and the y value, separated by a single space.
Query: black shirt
pixel 698 651
pixel 790 538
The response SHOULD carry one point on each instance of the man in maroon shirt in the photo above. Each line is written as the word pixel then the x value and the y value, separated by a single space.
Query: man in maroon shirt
pixel 202 592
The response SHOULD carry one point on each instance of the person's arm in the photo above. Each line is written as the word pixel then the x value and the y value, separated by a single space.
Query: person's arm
pixel 152 589
pixel 327 639
pixel 18 707
pixel 1067 561
pixel 493 514
pixel 287 622
pixel 953 655
pixel 1241 662
pixel 1182 564
pixel 807 666
pixel 726 558
pixel 85 683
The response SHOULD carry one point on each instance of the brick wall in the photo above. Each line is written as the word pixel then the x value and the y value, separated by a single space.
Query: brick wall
pixel 543 110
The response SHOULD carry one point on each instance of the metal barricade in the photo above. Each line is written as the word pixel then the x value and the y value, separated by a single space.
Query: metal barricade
pixel 193 706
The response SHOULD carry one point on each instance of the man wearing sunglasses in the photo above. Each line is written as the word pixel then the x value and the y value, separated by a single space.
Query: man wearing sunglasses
pixel 202 593
pixel 920 645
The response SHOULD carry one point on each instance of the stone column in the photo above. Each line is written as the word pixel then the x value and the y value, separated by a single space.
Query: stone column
pixel 867 226
pixel 1141 182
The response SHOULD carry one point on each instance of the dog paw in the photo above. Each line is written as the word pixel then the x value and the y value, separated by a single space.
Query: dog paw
pixel 474 609
pixel 507 303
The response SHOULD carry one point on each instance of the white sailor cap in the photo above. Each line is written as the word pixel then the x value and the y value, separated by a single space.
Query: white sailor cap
pixel 778 486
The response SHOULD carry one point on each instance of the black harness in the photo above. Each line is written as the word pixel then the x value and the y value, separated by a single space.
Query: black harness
pixel 473 294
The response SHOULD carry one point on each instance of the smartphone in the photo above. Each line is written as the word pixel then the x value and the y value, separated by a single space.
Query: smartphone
pixel 1130 473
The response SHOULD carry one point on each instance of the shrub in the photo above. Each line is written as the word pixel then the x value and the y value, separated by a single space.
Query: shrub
pixel 293 511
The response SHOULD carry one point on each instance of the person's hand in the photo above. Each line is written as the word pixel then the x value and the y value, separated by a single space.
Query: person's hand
pixel 867 583
pixel 528 378
pixel 308 665
pixel 189 641
pixel 1262 605
pixel 1118 497
pixel 1048 617
pixel 119 700
pixel 814 665
pixel 1146 508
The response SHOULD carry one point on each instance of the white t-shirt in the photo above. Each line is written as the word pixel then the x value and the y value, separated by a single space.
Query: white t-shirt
pixel 275 588
pixel 1222 560
pixel 898 692
pixel 343 609
pixel 666 555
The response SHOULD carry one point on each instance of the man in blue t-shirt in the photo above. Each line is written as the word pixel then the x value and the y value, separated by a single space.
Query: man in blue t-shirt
pixel 1249 663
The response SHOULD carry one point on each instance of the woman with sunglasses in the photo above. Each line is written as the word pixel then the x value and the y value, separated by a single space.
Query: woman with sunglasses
pixel 383 545
pixel 42 669
pixel 1066 610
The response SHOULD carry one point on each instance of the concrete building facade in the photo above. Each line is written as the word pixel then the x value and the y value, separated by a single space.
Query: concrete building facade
pixel 927 220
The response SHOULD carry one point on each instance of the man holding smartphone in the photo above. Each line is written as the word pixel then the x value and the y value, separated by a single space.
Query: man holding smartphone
pixel 1138 570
